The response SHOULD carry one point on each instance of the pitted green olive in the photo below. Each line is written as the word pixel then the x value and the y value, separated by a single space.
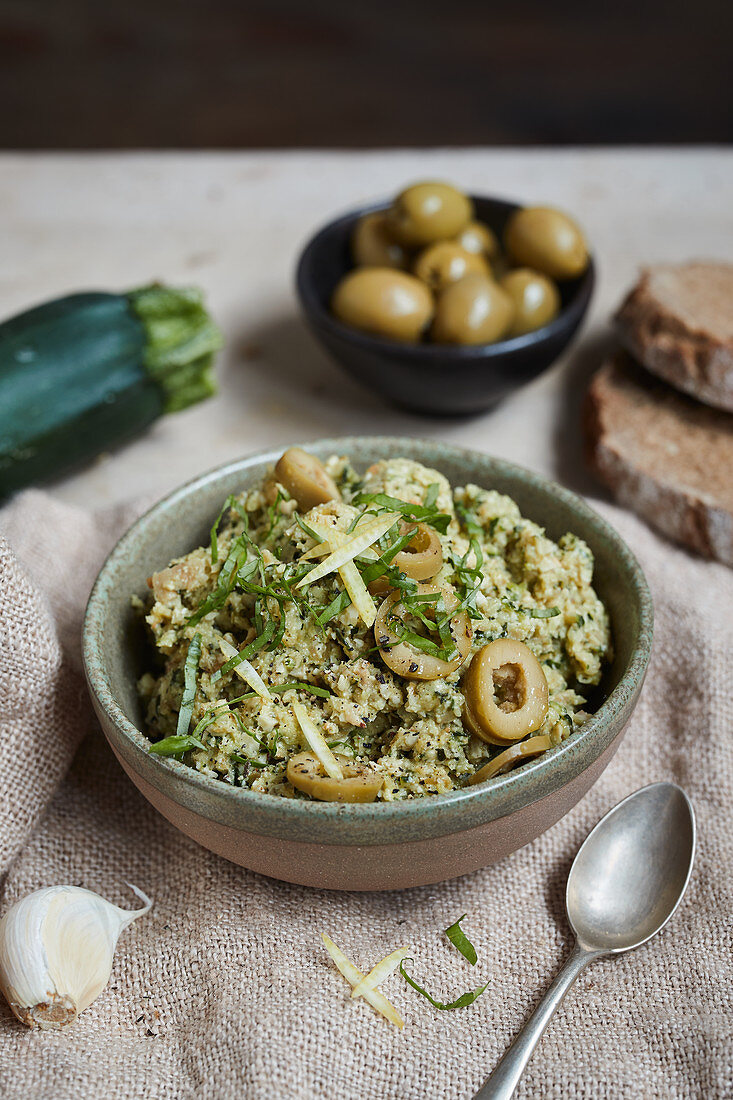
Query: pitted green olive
pixel 446 262
pixel 479 238
pixel 474 310
pixel 505 692
pixel 372 246
pixel 405 659
pixel 536 299
pixel 384 302
pixel 305 478
pixel 548 241
pixel 359 784
pixel 428 212
pixel 422 558
pixel 515 754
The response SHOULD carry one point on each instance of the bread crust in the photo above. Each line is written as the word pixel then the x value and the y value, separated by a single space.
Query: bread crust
pixel 662 455
pixel 678 322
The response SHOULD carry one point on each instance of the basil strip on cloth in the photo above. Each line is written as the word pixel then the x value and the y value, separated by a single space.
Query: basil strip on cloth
pixel 463 1001
pixel 460 940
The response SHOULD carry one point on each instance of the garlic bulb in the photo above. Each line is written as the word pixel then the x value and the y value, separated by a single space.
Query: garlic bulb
pixel 56 950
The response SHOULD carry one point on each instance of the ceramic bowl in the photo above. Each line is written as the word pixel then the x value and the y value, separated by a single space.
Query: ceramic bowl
pixel 431 378
pixel 378 846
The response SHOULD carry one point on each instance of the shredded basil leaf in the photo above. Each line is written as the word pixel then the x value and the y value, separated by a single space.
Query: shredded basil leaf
pixel 460 940
pixel 431 494
pixel 461 1002
pixel 207 720
pixel 176 745
pixel 421 512
pixel 469 522
pixel 215 528
pixel 237 758
pixel 249 651
pixel 189 685
pixel 338 604
pixel 544 612
pixel 226 580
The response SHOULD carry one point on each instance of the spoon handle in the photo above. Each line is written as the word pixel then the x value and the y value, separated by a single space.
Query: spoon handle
pixel 503 1081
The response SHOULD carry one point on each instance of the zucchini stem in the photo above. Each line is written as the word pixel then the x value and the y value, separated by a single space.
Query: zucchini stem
pixel 180 342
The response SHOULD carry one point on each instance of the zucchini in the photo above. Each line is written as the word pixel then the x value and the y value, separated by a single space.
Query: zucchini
pixel 84 373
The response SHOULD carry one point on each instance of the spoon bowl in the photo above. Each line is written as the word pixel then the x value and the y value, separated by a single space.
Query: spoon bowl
pixel 632 870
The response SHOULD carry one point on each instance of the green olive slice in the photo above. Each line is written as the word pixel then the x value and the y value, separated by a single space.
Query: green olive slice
pixel 505 691
pixel 533 746
pixel 404 659
pixel 422 558
pixel 359 783
pixel 305 478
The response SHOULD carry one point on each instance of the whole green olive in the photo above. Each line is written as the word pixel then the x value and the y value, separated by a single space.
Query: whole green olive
pixel 384 302
pixel 428 212
pixel 372 246
pixel 445 262
pixel 480 238
pixel 536 299
pixel 548 241
pixel 475 310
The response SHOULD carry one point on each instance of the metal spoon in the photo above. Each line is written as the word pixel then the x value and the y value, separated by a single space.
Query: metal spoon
pixel 625 883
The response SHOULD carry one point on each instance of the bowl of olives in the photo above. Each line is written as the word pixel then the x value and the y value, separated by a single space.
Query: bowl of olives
pixel 445 302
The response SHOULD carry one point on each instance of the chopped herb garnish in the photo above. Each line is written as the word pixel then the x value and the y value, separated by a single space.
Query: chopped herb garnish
pixel 248 651
pixel 463 1001
pixel 532 612
pixel 298 685
pixel 215 528
pixel 421 512
pixel 228 576
pixel 208 719
pixel 460 940
pixel 176 745
pixel 338 604
pixel 468 521
pixel 272 513
pixel 189 685
pixel 431 494
pixel 237 758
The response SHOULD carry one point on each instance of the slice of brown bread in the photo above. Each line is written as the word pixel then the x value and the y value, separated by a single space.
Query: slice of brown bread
pixel 663 455
pixel 678 322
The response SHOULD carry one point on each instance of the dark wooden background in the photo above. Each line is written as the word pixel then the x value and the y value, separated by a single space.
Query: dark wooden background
pixel 233 73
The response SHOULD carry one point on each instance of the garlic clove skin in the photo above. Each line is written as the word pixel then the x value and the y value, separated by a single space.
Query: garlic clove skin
pixel 56 952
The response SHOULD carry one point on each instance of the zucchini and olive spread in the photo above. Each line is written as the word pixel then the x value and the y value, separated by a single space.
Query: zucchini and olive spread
pixel 348 638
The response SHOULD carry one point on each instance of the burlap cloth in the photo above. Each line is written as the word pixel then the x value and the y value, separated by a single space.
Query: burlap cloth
pixel 224 990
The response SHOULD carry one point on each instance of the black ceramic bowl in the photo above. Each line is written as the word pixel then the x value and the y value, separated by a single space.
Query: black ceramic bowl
pixel 431 378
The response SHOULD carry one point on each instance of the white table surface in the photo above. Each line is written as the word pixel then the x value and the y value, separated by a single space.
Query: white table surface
pixel 233 223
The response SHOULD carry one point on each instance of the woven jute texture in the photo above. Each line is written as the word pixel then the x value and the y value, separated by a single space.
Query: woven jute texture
pixel 224 990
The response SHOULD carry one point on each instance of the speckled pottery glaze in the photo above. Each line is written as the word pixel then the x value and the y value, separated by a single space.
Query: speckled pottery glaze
pixel 378 846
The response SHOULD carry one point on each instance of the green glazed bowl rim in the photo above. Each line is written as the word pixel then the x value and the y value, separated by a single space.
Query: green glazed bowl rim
pixel 520 787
